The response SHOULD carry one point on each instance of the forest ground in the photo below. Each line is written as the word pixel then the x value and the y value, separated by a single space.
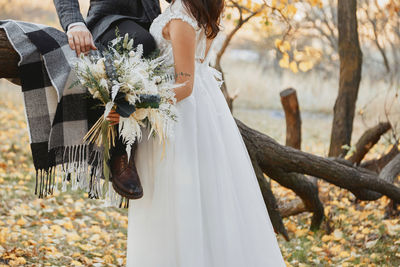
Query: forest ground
pixel 70 230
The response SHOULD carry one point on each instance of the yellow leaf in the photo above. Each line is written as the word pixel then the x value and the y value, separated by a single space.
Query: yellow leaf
pixel 68 225
pixel 278 43
pixel 291 10
pixel 326 238
pixel 21 221
pixel 291 227
pixel 305 66
pixel 108 259
pixel 76 263
pixel 284 62
pixel 293 67
pixel 316 249
pixel 301 232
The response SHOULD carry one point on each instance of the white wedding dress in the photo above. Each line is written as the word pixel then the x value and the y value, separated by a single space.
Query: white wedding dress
pixel 202 205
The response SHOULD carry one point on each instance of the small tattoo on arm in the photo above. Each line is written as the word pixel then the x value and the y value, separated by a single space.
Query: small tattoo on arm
pixel 184 74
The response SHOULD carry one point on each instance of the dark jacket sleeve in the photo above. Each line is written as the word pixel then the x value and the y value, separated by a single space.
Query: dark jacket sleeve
pixel 68 12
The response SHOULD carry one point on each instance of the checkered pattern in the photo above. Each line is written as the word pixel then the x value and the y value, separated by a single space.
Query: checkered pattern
pixel 57 114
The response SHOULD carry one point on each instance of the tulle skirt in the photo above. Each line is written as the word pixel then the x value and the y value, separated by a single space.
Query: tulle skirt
pixel 202 205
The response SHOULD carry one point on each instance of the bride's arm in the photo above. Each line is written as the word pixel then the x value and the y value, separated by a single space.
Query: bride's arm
pixel 183 40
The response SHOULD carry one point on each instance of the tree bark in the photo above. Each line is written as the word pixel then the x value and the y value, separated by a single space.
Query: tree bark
pixel 8 58
pixel 291 208
pixel 350 77
pixel 368 140
pixel 270 155
pixel 269 200
pixel 293 119
pixel 391 170
pixel 377 165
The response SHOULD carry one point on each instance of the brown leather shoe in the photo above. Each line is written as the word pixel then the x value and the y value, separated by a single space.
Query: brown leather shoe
pixel 124 176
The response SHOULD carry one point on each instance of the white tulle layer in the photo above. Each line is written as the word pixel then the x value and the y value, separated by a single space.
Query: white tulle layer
pixel 202 206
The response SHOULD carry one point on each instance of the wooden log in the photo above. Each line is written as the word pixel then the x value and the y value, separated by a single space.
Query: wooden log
pixel 293 119
pixel 8 58
pixel 291 208
pixel 368 140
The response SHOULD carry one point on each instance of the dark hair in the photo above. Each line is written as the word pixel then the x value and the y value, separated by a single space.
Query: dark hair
pixel 207 13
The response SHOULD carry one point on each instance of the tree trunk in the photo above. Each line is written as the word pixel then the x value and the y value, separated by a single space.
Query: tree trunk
pixel 350 77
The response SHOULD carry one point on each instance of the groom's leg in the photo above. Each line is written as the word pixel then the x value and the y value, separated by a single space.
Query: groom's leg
pixel 135 30
pixel 141 36
pixel 125 177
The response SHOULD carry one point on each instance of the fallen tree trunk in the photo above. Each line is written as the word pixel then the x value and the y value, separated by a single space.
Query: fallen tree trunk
pixel 368 140
pixel 364 184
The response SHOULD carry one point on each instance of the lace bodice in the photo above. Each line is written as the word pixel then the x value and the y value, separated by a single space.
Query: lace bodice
pixel 178 11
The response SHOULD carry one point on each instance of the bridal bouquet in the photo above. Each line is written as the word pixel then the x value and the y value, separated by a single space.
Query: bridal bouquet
pixel 138 89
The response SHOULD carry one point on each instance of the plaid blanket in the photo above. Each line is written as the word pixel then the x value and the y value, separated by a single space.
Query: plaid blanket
pixel 57 114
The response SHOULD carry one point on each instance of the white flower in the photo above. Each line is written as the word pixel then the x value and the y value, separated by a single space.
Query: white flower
pixel 108 108
pixel 114 91
pixel 103 83
pixel 98 69
pixel 130 44
pixel 126 38
pixel 96 95
pixel 141 114
pixel 158 79
pixel 132 53
pixel 116 40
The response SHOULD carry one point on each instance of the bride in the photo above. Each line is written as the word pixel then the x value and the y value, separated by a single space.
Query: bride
pixel 202 206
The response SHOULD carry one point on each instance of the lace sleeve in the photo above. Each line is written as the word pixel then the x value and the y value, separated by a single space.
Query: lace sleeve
pixel 178 11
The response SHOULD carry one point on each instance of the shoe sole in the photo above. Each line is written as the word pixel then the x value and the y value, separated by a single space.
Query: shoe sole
pixel 125 195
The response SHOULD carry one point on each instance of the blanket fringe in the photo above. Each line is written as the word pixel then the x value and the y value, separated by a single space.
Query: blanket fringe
pixel 83 171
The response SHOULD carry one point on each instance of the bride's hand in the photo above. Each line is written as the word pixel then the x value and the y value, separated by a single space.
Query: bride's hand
pixel 113 117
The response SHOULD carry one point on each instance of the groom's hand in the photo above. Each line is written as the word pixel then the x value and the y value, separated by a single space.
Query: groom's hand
pixel 80 39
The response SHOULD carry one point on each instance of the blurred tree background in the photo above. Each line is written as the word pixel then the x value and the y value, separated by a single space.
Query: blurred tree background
pixel 342 106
